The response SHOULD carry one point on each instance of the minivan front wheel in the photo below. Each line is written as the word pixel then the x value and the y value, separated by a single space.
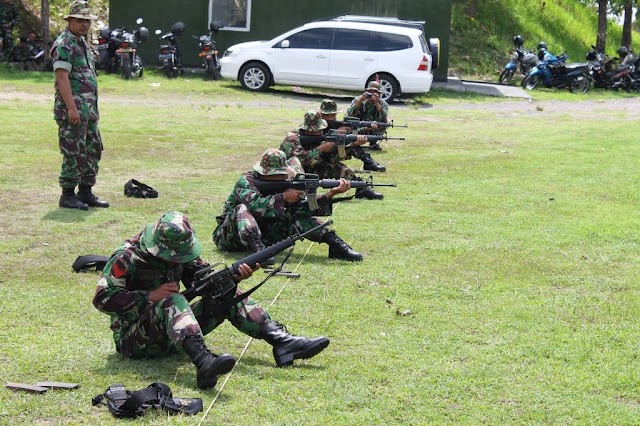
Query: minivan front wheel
pixel 388 86
pixel 254 77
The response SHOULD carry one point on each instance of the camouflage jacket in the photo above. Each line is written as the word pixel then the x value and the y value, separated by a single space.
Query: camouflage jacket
pixel 129 275
pixel 309 158
pixel 72 53
pixel 20 54
pixel 261 207
pixel 368 112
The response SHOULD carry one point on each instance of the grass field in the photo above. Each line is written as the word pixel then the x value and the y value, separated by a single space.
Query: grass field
pixel 499 286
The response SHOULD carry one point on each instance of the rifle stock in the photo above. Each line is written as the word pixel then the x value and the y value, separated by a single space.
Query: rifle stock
pixel 219 283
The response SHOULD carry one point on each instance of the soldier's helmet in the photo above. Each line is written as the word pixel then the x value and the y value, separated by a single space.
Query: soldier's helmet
pixel 313 121
pixel 328 107
pixel 80 9
pixel 373 85
pixel 273 162
pixel 171 238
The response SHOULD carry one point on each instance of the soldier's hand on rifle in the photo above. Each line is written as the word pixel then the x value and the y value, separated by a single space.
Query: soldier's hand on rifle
pixel 344 186
pixel 326 146
pixel 293 196
pixel 164 291
pixel 244 272
pixel 362 139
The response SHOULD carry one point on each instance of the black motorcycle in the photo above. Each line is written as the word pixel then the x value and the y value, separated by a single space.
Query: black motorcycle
pixel 209 52
pixel 602 68
pixel 118 50
pixel 169 56
pixel 555 72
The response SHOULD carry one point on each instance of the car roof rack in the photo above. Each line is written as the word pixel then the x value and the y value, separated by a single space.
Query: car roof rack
pixel 384 20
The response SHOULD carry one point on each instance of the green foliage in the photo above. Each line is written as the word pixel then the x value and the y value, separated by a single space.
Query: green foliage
pixel 482 32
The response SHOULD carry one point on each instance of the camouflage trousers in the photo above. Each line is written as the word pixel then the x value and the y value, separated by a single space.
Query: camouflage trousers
pixel 233 231
pixel 81 149
pixel 163 326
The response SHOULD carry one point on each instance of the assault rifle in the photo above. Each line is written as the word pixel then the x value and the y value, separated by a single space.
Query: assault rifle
pixel 310 183
pixel 355 123
pixel 218 283
pixel 310 142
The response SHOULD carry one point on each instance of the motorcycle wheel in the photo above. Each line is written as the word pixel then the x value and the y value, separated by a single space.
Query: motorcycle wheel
pixel 168 72
pixel 212 71
pixel 579 84
pixel 530 82
pixel 126 67
pixel 506 76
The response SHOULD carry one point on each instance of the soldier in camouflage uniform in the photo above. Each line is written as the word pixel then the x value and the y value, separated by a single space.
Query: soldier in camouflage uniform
pixel 251 219
pixel 329 110
pixel 21 56
pixel 76 110
pixel 139 289
pixel 369 107
pixel 322 160
pixel 8 18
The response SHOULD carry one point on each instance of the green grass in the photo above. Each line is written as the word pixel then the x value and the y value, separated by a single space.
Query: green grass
pixel 482 32
pixel 499 284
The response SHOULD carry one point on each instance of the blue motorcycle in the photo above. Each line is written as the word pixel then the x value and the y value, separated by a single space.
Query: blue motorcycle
pixel 553 72
pixel 520 58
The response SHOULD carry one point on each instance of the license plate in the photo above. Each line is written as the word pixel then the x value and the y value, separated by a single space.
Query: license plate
pixel 102 46
pixel 164 56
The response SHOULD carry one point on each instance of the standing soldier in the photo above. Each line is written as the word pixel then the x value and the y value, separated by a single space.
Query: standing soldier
pixel 76 110
pixel 8 18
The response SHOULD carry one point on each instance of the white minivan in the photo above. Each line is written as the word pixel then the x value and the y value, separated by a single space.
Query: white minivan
pixel 337 54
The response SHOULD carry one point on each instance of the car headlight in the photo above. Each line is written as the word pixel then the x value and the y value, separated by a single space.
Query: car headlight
pixel 231 52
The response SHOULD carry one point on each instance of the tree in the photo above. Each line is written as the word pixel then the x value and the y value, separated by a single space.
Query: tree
pixel 601 41
pixel 44 14
pixel 628 20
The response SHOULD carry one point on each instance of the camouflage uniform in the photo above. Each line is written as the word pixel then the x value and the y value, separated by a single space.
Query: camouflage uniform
pixel 81 146
pixel 139 265
pixel 8 18
pixel 325 165
pixel 367 111
pixel 22 57
pixel 248 213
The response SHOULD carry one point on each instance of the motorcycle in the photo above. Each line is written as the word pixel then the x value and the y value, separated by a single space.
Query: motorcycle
pixel 602 68
pixel 553 72
pixel 520 59
pixel 169 56
pixel 209 52
pixel 117 50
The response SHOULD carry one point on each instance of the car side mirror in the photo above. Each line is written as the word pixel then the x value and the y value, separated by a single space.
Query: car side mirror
pixel 284 44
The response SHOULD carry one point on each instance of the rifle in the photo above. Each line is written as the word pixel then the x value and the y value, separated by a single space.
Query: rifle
pixel 209 282
pixel 310 183
pixel 355 123
pixel 309 142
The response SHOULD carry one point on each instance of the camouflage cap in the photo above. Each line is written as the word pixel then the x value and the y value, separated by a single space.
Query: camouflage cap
pixel 373 85
pixel 328 107
pixel 273 162
pixel 313 121
pixel 80 9
pixel 171 238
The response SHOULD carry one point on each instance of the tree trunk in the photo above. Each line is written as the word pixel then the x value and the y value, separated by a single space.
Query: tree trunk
pixel 628 20
pixel 601 41
pixel 44 13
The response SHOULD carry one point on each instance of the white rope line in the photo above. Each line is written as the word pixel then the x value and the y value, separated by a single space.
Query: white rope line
pixel 246 347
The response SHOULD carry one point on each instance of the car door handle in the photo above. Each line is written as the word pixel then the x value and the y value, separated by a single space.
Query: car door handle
pixel 369 59
pixel 321 57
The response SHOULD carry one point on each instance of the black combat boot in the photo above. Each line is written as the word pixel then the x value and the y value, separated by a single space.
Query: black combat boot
pixel 86 196
pixel 369 194
pixel 256 245
pixel 209 365
pixel 371 164
pixel 374 146
pixel 338 249
pixel 287 347
pixel 68 200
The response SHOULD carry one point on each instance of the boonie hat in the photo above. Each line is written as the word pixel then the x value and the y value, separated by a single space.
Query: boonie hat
pixel 373 85
pixel 273 162
pixel 81 10
pixel 171 238
pixel 328 107
pixel 313 121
